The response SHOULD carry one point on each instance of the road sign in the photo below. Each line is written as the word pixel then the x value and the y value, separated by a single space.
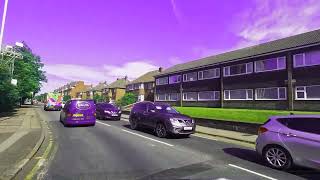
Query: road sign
pixel 14 82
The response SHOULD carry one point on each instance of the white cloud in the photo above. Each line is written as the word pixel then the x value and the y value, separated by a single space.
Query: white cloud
pixel 175 10
pixel 130 69
pixel 271 20
pixel 175 60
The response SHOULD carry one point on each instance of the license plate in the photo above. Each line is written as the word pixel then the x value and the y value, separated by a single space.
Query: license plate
pixel 114 115
pixel 187 128
pixel 77 115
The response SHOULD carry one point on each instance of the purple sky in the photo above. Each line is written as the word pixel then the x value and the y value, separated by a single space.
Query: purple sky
pixel 97 40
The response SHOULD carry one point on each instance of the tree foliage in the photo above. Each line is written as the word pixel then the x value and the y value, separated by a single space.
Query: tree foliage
pixel 66 98
pixel 9 94
pixel 128 98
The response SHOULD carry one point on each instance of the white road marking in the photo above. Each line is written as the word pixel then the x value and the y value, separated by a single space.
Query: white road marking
pixel 103 123
pixel 147 137
pixel 247 170
pixel 124 119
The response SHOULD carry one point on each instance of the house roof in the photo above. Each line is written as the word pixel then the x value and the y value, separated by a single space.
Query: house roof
pixel 147 77
pixel 292 42
pixel 100 86
pixel 119 83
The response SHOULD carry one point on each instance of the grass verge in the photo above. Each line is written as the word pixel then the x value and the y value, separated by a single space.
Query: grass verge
pixel 240 115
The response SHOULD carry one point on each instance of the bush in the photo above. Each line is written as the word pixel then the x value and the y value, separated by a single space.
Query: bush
pixel 9 96
pixel 66 98
pixel 128 98
pixel 99 98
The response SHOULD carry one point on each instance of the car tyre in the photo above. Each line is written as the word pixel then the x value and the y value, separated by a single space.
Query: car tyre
pixel 134 123
pixel 277 157
pixel 161 130
pixel 185 135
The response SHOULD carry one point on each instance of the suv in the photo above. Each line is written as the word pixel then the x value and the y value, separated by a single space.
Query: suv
pixel 162 118
pixel 287 140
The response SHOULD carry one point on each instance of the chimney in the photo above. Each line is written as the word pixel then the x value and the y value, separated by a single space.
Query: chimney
pixel 160 69
pixel 126 77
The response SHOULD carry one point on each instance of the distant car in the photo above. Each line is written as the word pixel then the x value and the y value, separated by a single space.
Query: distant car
pixel 162 118
pixel 53 106
pixel 287 140
pixel 108 111
pixel 78 112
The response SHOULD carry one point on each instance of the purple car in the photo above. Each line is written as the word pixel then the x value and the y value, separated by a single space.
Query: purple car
pixel 162 118
pixel 108 111
pixel 287 140
pixel 78 112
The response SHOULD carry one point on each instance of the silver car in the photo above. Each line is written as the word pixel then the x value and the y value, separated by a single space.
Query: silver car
pixel 287 140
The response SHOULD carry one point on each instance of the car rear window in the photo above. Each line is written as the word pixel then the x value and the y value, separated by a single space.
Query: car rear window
pixel 309 125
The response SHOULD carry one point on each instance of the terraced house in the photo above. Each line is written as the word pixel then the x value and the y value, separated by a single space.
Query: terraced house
pixel 281 74
pixel 72 89
pixel 117 89
pixel 143 86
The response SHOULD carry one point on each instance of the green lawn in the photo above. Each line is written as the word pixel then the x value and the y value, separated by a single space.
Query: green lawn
pixel 242 115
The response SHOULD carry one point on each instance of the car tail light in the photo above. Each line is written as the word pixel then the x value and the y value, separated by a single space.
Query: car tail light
pixel 262 130
pixel 69 114
pixel 95 114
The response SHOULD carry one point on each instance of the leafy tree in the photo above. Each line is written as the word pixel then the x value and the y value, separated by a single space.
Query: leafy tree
pixel 28 72
pixel 128 98
pixel 9 94
pixel 66 98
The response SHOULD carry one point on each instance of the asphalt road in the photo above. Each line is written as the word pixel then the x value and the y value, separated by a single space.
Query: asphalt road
pixel 111 150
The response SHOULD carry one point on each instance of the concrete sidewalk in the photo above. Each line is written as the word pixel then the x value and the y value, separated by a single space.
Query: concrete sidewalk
pixel 20 135
pixel 233 135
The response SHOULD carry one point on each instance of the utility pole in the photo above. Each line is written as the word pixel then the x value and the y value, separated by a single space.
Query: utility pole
pixel 3 21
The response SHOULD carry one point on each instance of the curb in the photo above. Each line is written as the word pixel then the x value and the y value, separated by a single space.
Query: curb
pixel 235 139
pixel 20 165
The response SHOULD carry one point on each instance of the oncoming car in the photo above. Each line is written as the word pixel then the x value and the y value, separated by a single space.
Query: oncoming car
pixel 287 140
pixel 78 112
pixel 162 118
pixel 108 111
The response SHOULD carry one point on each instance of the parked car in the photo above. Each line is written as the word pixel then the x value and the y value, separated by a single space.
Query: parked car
pixel 162 118
pixel 108 111
pixel 287 140
pixel 78 112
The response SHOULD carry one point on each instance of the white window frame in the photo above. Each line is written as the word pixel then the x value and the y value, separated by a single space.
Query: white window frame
pixel 185 77
pixel 215 72
pixel 305 93
pixel 277 69
pixel 165 97
pixel 178 75
pixel 158 80
pixel 247 99
pixel 215 99
pixel 185 93
pixel 303 60
pixel 279 99
pixel 169 97
pixel 228 67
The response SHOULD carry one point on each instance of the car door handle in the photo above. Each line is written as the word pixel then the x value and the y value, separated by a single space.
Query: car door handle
pixel 291 135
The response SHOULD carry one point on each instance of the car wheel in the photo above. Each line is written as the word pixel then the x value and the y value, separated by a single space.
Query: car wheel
pixel 277 157
pixel 161 130
pixel 134 123
pixel 185 135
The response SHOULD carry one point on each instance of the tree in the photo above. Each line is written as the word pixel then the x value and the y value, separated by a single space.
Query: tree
pixel 28 72
pixel 9 94
pixel 66 98
pixel 128 98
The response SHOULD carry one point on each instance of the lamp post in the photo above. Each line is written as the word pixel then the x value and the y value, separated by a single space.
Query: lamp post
pixel 3 21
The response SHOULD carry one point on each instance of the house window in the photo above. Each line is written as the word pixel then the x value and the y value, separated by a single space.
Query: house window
pixel 173 97
pixel 190 96
pixel 136 86
pixel 192 76
pixel 174 79
pixel 238 94
pixel 270 64
pixel 130 87
pixel 238 69
pixel 162 81
pixel 149 85
pixel 308 92
pixel 209 74
pixel 275 93
pixel 306 59
pixel 161 97
pixel 208 95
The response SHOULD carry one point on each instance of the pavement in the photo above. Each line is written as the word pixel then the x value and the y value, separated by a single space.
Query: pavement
pixel 20 135
pixel 111 150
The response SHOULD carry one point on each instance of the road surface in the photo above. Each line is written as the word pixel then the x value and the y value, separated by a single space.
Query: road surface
pixel 111 150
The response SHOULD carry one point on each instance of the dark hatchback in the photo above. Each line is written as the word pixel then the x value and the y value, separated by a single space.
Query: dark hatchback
pixel 162 118
pixel 107 111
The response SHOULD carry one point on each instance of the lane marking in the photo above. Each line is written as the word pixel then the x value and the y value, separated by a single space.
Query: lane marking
pixel 147 138
pixel 125 119
pixel 103 123
pixel 247 170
